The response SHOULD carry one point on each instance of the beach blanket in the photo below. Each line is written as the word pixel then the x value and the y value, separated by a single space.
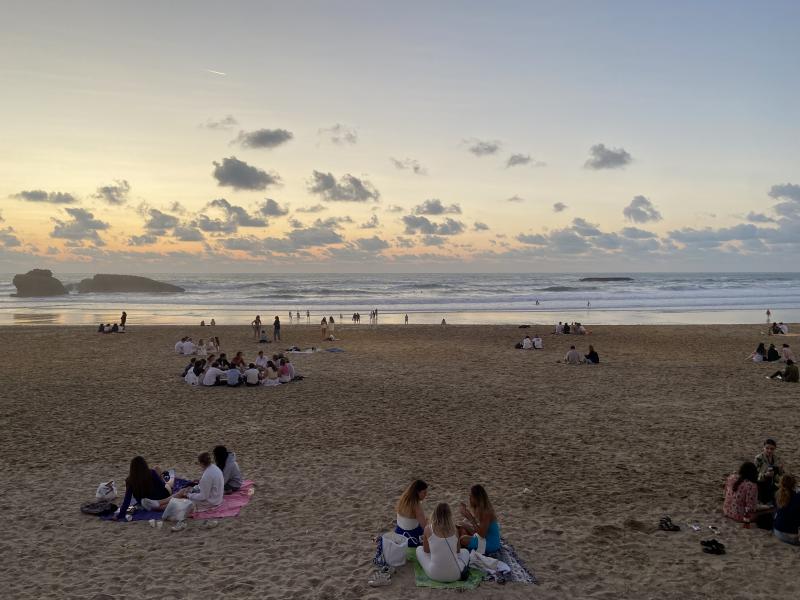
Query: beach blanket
pixel 334 350
pixel 145 515
pixel 519 572
pixel 422 579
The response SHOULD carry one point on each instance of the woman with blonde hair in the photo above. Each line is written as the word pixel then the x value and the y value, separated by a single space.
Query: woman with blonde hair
pixel 440 556
pixel 787 517
pixel 324 327
pixel 480 522
pixel 410 515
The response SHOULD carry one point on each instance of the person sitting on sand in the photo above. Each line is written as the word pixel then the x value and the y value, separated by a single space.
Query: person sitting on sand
pixel 231 475
pixel 223 361
pixel 581 329
pixel 559 329
pixel 741 495
pixel 194 376
pixel 252 376
pixel 179 345
pixel 537 342
pixel 212 375
pixel 443 323
pixel 410 516
pixel 323 325
pixel 207 494
pixel 480 522
pixel 787 517
pixel 440 555
pixel 787 354
pixel 784 328
pixel 188 367
pixel 261 361
pixel 143 482
pixel 233 376
pixel 527 343
pixel 770 468
pixel 200 349
pixel 271 374
pixel 572 357
pixel 290 368
pixel 789 374
pixel 773 354
pixel 188 347
pixel 263 339
pixel 238 361
pixel 592 358
pixel 565 330
pixel 284 373
pixel 759 354
pixel 101 328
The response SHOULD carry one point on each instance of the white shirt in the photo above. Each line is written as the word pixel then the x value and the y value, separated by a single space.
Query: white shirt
pixel 251 375
pixel 179 347
pixel 211 487
pixel 527 344
pixel 784 329
pixel 201 350
pixel 573 357
pixel 537 343
pixel 261 362
pixel 788 354
pixel 188 347
pixel 210 378
pixel 191 378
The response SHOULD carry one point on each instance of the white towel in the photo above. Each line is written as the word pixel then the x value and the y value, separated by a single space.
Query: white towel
pixel 487 563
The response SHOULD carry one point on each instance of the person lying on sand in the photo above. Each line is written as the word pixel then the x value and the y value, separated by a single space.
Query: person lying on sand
pixel 790 373
pixel 440 555
pixel 143 483
pixel 480 521
pixel 207 494
pixel 410 515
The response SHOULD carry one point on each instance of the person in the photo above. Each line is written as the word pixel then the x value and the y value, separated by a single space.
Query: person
pixel 759 354
pixel 787 517
pixel 592 358
pixel 270 374
pixel 203 323
pixel 142 482
pixel 263 339
pixel 276 329
pixel 480 521
pixel 207 494
pixel 741 495
pixel 252 376
pixel 192 376
pixel 537 342
pixel 284 373
pixel 776 329
pixel 443 323
pixel 565 328
pixel 238 361
pixel 527 343
pixel 212 375
pixel 223 361
pixel 123 319
pixel 411 520
pixel 115 328
pixel 784 328
pixel 770 468
pixel 188 347
pixel 234 376
pixel 308 317
pixel 291 320
pixel 323 325
pixel 773 354
pixel 231 475
pixel 787 354
pixel 290 367
pixel 261 361
pixel 201 349
pixel 101 328
pixel 188 367
pixel 790 373
pixel 331 326
pixel 440 555
pixel 298 317
pixel 581 329
pixel 179 346
pixel 256 325
pixel 213 322
pixel 572 357
pixel 406 318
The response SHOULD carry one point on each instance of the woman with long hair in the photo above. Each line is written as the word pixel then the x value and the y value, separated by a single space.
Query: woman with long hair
pixel 410 516
pixel 480 522
pixel 440 556
pixel 323 325
pixel 787 517
pixel 759 354
pixel 741 497
pixel 226 461
pixel 143 482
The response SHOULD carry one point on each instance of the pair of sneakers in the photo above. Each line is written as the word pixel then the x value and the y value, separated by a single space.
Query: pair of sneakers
pixel 381 576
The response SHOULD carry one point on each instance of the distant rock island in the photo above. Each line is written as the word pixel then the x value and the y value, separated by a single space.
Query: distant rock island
pixel 38 282
pixel 125 283
pixel 607 279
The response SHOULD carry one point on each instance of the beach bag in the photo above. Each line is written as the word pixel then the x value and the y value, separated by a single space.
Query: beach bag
pixel 394 548
pixel 177 509
pixel 106 491
pixel 99 508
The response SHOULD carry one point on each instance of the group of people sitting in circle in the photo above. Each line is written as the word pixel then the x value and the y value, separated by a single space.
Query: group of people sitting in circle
pixel 442 546
pixel 530 343
pixel 565 328
pixel 213 370
pixel 152 489
pixel 573 357
pixel 762 354
pixel 187 347
pixel 765 493
pixel 779 328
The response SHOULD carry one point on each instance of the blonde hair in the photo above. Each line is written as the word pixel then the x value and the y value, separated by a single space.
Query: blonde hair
pixel 442 521
pixel 409 501
pixel 785 490
pixel 479 501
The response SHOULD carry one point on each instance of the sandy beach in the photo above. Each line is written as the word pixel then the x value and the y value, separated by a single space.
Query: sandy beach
pixel 603 451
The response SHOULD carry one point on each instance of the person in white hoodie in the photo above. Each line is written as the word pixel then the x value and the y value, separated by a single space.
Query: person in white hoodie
pixel 205 495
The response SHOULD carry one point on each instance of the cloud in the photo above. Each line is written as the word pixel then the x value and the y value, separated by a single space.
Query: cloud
pixel 270 208
pixel 188 234
pixel 115 194
pixel 394 208
pixel 209 225
pixel 759 218
pixel 224 123
pixel 42 196
pixel 373 244
pixel 515 198
pixel 142 240
pixel 636 233
pixel 371 223
pixel 409 164
pixel 607 158
pixel 433 240
pixel 177 207
pixel 313 236
pixel 785 191
pixel 347 189
pixel 714 237
pixel 332 222
pixel 82 226
pixel 482 147
pixel 8 238
pixel 423 225
pixel 478 226
pixel 516 160
pixel 312 209
pixel 239 175
pixel 536 239
pixel 434 206
pixel 559 207
pixel 263 138
pixel 585 229
pixel 158 222
pixel 339 134
pixel 236 214
pixel 641 210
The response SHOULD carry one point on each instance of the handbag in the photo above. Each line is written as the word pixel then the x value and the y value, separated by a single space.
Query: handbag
pixel 464 571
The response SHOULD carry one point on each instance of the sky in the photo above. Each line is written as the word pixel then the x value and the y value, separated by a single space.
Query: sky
pixel 448 136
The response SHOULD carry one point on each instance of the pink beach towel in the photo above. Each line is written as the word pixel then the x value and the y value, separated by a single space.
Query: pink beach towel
pixel 231 505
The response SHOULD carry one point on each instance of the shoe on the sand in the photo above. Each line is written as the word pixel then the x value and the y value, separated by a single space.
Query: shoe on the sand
pixel 380 578
pixel 180 526
pixel 210 523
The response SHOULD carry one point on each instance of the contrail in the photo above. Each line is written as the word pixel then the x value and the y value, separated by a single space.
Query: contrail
pixel 220 73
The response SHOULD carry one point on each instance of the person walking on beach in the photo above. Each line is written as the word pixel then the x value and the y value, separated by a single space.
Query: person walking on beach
pixel 769 315
pixel 298 317
pixel 406 318
pixel 276 329
pixel 308 317
pixel 290 317
pixel 256 325
pixel 122 320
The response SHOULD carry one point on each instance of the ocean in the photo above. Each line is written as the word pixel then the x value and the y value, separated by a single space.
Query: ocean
pixel 665 298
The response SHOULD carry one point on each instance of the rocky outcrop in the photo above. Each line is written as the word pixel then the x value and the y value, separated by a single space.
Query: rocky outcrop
pixel 607 279
pixel 38 282
pixel 125 283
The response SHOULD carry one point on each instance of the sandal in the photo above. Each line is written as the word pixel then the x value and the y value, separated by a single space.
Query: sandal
pixel 666 524
pixel 713 547
pixel 380 578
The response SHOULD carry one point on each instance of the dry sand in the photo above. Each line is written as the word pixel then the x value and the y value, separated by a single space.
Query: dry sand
pixel 605 451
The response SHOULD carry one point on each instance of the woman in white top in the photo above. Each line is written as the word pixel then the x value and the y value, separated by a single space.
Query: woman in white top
pixel 440 556
pixel 324 327
pixel 201 348
pixel 271 374
pixel 410 515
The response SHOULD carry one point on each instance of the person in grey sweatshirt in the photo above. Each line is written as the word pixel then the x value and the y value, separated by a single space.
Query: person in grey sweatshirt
pixel 226 461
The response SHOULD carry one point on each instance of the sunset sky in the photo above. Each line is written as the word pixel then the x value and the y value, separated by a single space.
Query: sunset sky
pixel 402 136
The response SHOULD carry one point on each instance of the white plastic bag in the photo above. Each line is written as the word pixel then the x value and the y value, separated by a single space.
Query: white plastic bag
pixel 106 491
pixel 394 548
pixel 177 509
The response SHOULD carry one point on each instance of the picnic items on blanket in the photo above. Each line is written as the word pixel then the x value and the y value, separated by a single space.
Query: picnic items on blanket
pixel 177 509
pixel 487 563
pixel 99 508
pixel 106 491
pixel 421 578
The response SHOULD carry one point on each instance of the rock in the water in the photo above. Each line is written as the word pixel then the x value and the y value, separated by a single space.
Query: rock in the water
pixel 38 282
pixel 125 283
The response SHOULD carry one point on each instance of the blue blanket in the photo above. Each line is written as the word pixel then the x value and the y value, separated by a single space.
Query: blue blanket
pixel 140 514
